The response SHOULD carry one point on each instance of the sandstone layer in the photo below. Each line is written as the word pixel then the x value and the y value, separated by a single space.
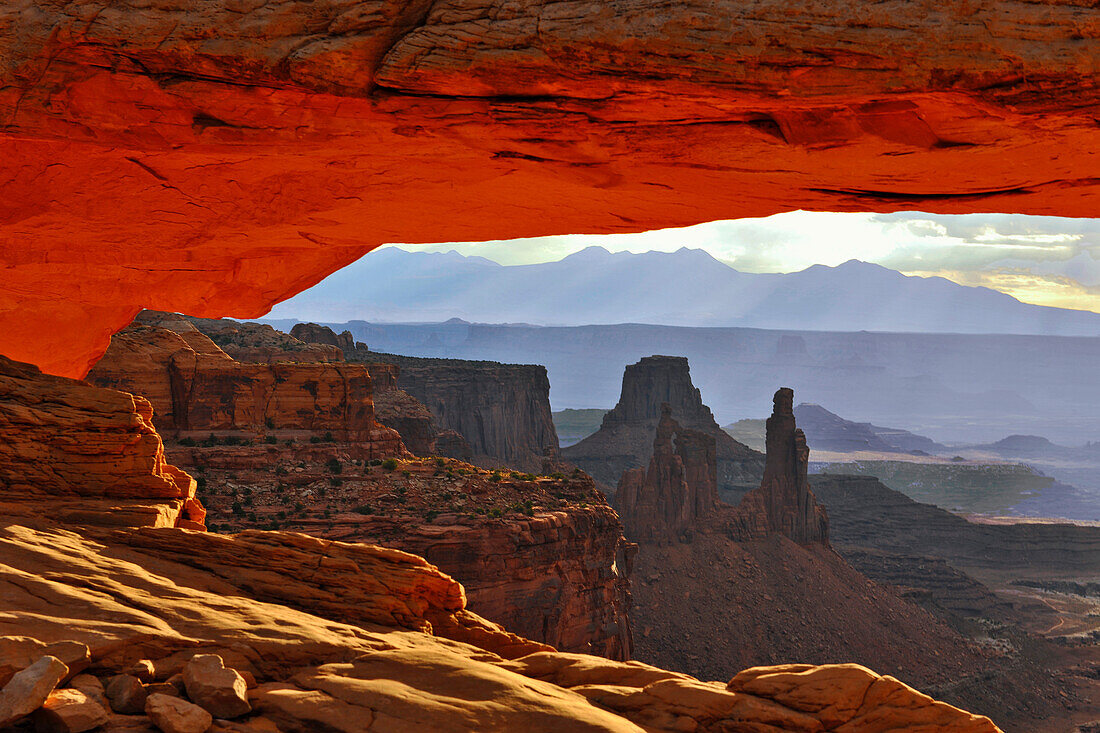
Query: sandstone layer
pixel 197 390
pixel 393 406
pixel 216 159
pixel 625 439
pixel 502 411
pixel 83 454
pixel 351 637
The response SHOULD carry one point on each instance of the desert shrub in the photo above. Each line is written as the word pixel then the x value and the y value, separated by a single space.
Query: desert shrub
pixel 406 474
pixel 431 514
pixel 329 438
pixel 333 481
pixel 187 441
pixel 270 423
pixel 238 508
pixel 334 466
pixel 494 476
pixel 364 509
pixel 376 462
pixel 271 440
pixel 314 439
pixel 440 462
pixel 496 512
pixel 281 471
pixel 390 464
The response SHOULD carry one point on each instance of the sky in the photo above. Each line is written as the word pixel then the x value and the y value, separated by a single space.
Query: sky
pixel 1044 260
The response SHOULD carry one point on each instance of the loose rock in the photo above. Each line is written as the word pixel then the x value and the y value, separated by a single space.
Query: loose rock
pixel 68 711
pixel 29 688
pixel 218 689
pixel 126 694
pixel 176 715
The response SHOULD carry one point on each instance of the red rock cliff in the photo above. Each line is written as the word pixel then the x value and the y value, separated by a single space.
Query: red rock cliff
pixel 196 389
pixel 679 490
pixel 216 158
pixel 72 452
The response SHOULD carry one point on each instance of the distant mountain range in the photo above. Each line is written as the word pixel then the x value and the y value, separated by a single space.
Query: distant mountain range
pixel 688 287
pixel 827 431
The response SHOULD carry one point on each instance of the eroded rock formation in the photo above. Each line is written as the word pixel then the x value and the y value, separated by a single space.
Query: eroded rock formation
pixel 393 406
pixel 319 624
pixel 198 389
pixel 502 411
pixel 147 164
pixel 679 489
pixel 82 454
pixel 784 498
pixel 625 439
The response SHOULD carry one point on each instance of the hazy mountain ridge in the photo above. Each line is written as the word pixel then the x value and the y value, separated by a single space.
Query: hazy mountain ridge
pixel 688 287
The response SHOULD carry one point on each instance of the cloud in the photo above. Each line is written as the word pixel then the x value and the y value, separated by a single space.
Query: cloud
pixel 1038 259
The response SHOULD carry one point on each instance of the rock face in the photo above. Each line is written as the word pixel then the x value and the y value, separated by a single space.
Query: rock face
pixel 311 333
pixel 197 389
pixel 625 438
pixel 135 147
pixel 502 411
pixel 678 491
pixel 216 689
pixel 69 711
pixel 561 577
pixel 339 635
pixel 784 496
pixel 394 407
pixel 84 454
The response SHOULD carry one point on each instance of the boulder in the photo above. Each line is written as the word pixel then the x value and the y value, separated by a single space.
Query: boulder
pixel 69 711
pixel 28 689
pixel 126 694
pixel 19 652
pixel 220 690
pixel 92 687
pixel 176 715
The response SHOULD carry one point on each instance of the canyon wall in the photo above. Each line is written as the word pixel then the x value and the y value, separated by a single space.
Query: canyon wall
pixel 80 454
pixel 625 439
pixel 197 389
pixel 560 577
pixel 502 411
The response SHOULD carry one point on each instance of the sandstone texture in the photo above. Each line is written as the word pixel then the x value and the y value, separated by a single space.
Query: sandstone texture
pixel 197 389
pixel 173 715
pixel 69 711
pixel 219 691
pixel 28 689
pixel 625 439
pixel 501 411
pixel 79 453
pixel 219 158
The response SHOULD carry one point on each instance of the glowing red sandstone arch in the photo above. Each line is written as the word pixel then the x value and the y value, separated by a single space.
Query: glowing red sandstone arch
pixel 218 157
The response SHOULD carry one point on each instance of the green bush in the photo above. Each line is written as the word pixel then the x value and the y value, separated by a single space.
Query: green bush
pixel 364 509
pixel 334 466
pixel 390 464
pixel 440 462
pixel 189 442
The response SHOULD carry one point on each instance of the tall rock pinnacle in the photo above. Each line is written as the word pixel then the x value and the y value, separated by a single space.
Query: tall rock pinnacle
pixel 790 506
pixel 679 488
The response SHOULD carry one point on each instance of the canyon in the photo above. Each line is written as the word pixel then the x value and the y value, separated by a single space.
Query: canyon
pixel 302 433
pixel 322 633
pixel 215 159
